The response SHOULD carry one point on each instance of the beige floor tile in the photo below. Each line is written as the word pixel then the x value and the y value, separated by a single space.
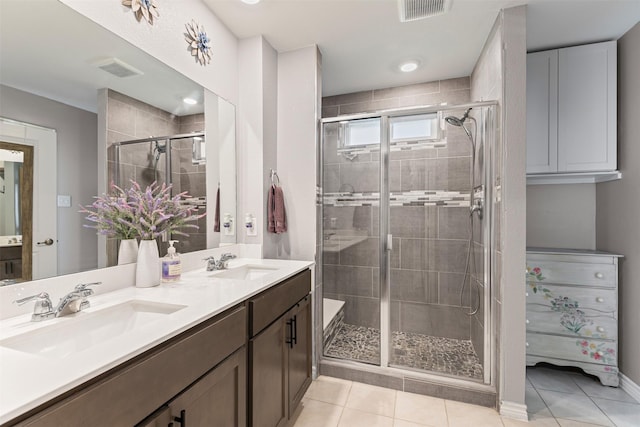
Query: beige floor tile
pixel 420 409
pixel 355 418
pixel 330 390
pixel 372 399
pixel 465 415
pixel 318 414
pixel 403 423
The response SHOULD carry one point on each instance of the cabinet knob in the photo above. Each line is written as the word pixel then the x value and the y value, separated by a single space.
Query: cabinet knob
pixel 599 275
pixel 599 299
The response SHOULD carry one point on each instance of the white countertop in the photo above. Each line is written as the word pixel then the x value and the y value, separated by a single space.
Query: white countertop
pixel 28 380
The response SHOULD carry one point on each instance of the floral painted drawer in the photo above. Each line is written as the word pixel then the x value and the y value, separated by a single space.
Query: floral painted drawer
pixel 603 352
pixel 576 273
pixel 572 310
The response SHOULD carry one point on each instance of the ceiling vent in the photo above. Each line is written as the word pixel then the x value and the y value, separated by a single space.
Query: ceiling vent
pixel 412 10
pixel 118 68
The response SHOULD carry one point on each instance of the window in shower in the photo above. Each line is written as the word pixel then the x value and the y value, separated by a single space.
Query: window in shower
pixel 413 128
pixel 358 133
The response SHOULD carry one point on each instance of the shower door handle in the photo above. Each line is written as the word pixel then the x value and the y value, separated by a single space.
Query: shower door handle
pixel 389 242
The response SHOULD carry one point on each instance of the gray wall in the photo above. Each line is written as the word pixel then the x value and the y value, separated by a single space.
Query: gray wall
pixel 77 164
pixel 427 266
pixel 500 74
pixel 561 216
pixel 618 207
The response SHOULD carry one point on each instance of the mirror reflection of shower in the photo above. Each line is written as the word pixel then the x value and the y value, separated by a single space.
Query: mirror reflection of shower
pixel 159 148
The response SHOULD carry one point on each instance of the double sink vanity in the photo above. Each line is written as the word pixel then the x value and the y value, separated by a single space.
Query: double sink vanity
pixel 229 347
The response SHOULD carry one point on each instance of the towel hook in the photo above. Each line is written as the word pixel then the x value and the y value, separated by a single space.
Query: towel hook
pixel 275 179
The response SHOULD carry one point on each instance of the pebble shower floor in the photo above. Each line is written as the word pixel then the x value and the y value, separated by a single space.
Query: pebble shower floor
pixel 415 351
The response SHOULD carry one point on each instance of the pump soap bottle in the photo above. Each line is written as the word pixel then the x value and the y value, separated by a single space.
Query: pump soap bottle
pixel 171 264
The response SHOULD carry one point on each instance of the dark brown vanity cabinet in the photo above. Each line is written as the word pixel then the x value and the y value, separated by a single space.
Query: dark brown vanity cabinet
pixel 201 371
pixel 279 351
pixel 10 262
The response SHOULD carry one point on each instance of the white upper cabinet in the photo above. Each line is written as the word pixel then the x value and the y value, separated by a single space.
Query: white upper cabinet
pixel 571 109
pixel 542 112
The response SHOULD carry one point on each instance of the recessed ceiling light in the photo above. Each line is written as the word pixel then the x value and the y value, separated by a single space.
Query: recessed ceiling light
pixel 409 66
pixel 251 1
pixel 190 101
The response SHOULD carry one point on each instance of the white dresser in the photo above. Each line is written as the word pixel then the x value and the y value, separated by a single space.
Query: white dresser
pixel 572 310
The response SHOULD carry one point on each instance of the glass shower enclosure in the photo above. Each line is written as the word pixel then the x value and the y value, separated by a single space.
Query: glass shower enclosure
pixel 406 248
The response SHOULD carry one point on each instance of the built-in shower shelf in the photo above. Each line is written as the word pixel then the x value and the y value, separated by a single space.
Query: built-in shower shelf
pixel 573 178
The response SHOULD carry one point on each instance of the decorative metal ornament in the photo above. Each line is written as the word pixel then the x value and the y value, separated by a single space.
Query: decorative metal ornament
pixel 143 8
pixel 199 43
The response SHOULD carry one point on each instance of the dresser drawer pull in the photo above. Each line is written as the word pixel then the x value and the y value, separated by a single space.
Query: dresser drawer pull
pixel 599 299
pixel 600 329
pixel 599 275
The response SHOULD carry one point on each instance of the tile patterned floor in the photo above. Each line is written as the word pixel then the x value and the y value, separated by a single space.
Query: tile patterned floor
pixel 554 398
pixel 415 351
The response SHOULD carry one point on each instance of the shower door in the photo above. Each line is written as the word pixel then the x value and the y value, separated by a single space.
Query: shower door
pixel 402 249
pixel 351 243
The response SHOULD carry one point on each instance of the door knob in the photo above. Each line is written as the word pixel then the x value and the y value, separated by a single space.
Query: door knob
pixel 47 242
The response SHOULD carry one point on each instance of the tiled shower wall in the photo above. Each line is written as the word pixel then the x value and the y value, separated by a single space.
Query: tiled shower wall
pixel 430 242
pixel 130 119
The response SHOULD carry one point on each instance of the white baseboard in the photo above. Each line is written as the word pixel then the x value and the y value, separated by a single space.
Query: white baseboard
pixel 630 387
pixel 516 411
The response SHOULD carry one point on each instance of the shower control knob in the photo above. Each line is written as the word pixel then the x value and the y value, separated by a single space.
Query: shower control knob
pixel 599 275
pixel 526 294
pixel 599 299
pixel 600 329
pixel 527 344
pixel 527 321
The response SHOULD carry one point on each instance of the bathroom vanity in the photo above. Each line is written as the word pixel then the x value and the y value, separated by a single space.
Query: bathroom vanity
pixel 221 348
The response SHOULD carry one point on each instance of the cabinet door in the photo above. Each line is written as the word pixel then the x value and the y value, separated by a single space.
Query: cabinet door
pixel 268 353
pixel 217 399
pixel 299 352
pixel 160 418
pixel 542 112
pixel 587 108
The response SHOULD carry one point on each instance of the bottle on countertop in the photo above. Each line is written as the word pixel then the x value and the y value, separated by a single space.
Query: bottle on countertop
pixel 171 264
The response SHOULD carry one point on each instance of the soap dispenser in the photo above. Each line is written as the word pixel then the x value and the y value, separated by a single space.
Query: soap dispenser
pixel 171 264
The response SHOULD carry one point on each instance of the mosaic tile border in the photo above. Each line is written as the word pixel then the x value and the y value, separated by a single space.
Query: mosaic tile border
pixel 407 198
pixel 349 153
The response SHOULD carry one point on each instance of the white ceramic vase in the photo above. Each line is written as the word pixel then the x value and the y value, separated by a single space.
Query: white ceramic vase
pixel 148 264
pixel 128 251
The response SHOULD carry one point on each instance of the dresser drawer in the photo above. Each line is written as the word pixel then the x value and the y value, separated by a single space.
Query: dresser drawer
pixel 597 351
pixel 595 300
pixel 544 320
pixel 574 273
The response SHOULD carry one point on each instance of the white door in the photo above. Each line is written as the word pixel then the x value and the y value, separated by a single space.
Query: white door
pixel 45 238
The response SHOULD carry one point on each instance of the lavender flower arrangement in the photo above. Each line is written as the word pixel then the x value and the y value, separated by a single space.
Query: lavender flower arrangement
pixel 131 213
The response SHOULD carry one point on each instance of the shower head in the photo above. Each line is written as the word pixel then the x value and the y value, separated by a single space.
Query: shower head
pixel 454 121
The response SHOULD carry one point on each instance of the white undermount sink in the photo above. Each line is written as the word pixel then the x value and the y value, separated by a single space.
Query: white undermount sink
pixel 87 329
pixel 246 272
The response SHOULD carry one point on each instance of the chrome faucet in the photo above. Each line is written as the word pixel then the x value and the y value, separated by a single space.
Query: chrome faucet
pixel 220 264
pixel 76 300
pixel 73 302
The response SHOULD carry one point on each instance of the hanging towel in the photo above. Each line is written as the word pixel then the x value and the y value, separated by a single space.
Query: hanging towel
pixel 216 220
pixel 276 214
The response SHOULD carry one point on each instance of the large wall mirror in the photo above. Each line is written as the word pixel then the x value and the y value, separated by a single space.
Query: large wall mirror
pixel 95 109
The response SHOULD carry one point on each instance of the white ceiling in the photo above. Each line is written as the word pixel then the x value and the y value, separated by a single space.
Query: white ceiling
pixel 363 42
